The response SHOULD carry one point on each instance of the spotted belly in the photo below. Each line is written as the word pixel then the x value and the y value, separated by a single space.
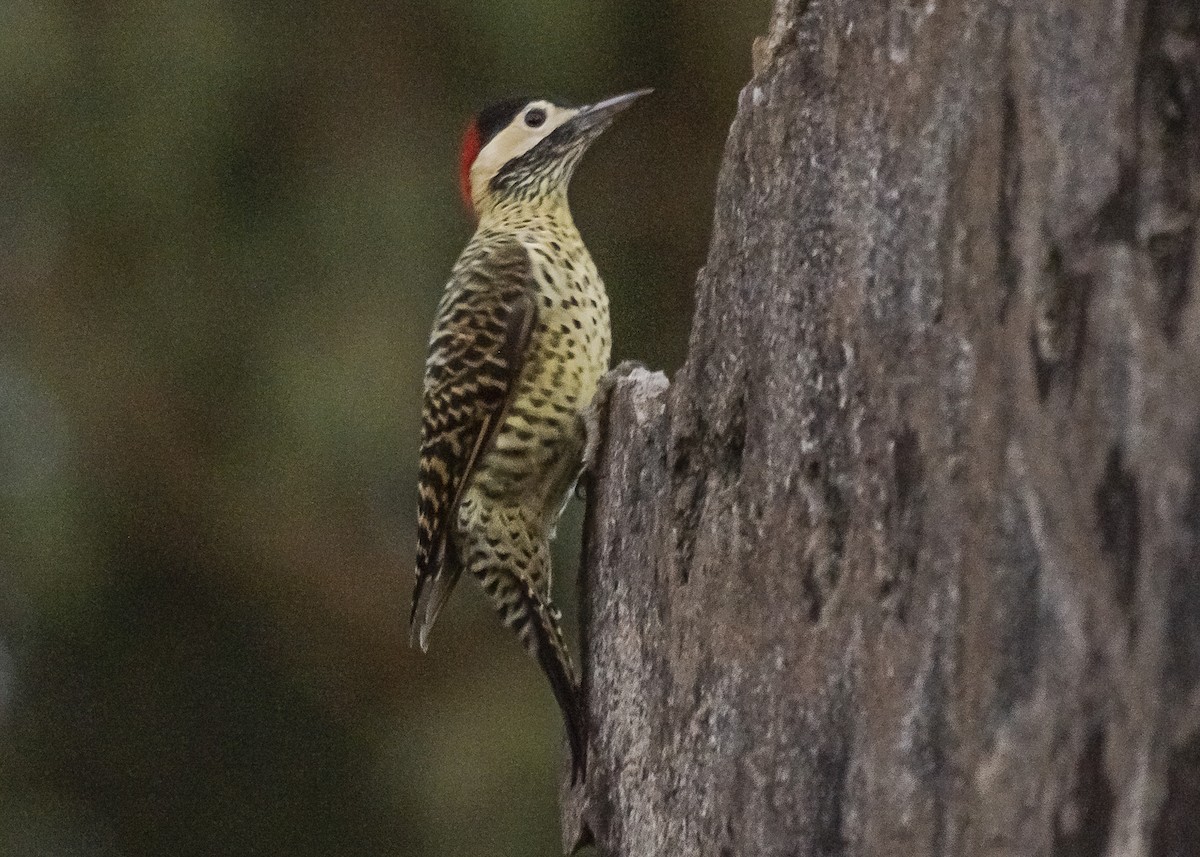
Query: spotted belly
pixel 537 452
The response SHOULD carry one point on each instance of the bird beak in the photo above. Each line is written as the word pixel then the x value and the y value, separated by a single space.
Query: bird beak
pixel 598 116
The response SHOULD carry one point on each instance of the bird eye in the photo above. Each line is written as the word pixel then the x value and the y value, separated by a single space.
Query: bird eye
pixel 535 117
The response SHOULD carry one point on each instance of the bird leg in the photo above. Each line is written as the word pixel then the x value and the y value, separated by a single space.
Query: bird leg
pixel 594 417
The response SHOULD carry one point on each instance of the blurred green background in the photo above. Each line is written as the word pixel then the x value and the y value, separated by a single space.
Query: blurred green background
pixel 224 228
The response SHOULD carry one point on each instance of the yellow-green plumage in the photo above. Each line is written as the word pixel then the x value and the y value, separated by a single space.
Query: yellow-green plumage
pixel 519 345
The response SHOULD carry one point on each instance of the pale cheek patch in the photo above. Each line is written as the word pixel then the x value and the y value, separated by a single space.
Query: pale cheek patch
pixel 512 142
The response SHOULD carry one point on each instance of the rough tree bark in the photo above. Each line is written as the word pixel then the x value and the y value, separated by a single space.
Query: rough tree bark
pixel 906 560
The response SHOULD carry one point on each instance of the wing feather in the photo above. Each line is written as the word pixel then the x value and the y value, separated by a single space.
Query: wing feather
pixel 476 354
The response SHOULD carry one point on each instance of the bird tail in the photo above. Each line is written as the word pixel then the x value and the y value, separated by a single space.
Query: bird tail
pixel 428 600
pixel 555 660
pixel 536 622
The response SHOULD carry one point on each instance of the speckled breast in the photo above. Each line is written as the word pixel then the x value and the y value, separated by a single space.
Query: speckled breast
pixel 537 451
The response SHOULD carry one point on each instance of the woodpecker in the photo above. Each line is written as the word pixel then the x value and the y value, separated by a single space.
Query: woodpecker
pixel 519 344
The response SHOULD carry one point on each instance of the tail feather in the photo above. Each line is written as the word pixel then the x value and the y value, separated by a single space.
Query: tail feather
pixel 555 661
pixel 535 622
pixel 428 599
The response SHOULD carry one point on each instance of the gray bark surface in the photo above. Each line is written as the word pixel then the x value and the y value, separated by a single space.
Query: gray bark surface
pixel 906 559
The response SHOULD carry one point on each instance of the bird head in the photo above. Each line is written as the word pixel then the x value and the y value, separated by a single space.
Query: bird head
pixel 522 150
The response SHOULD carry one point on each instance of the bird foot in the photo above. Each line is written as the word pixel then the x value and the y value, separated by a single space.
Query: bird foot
pixel 593 420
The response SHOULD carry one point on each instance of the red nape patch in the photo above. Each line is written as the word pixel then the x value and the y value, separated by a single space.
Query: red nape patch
pixel 470 151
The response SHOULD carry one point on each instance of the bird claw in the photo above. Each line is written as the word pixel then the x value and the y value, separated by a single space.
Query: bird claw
pixel 592 417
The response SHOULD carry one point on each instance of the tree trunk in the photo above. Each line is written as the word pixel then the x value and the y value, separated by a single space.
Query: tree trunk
pixel 906 560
